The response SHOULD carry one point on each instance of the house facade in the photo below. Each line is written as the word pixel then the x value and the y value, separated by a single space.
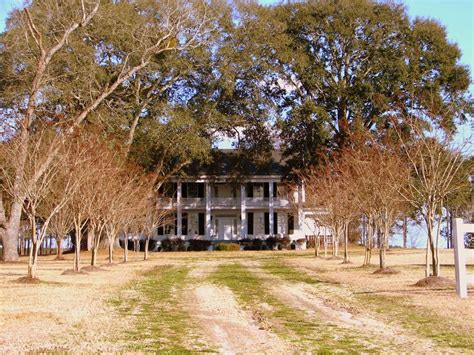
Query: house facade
pixel 221 207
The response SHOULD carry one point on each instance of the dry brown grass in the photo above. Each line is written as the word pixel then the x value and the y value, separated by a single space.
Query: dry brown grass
pixel 62 312
pixel 73 312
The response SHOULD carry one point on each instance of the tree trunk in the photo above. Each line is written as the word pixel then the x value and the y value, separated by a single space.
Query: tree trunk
pixel 77 254
pixel 10 239
pixel 427 258
pixel 368 243
pixel 405 231
pixel 94 250
pixel 436 263
pixel 430 244
pixel 10 234
pixel 317 245
pixel 382 256
pixel 33 260
pixel 59 248
pixel 111 251
pixel 346 243
pixel 147 242
pixel 125 249
pixel 383 246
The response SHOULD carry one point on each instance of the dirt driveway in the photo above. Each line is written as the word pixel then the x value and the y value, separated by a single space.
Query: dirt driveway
pixel 232 303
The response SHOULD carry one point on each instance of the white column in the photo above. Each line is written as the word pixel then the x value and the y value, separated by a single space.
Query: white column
pixel 208 210
pixel 270 207
pixel 243 213
pixel 179 213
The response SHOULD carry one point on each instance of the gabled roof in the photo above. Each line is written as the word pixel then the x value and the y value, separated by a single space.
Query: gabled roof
pixel 233 162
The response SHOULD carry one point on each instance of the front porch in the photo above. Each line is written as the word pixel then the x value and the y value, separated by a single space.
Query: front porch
pixel 227 225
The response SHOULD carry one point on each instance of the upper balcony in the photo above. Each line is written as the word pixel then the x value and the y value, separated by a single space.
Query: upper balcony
pixel 223 202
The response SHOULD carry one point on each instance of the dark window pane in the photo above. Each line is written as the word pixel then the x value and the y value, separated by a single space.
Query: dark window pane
pixel 184 228
pixel 266 189
pixel 267 223
pixel 250 223
pixel 200 190
pixel 291 224
pixel 250 190
pixel 201 224
pixel 161 230
pixel 275 223
pixel 176 224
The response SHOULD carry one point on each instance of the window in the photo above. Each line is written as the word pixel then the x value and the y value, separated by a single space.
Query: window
pixel 266 190
pixel 250 223
pixel 184 190
pixel 291 224
pixel 200 190
pixel 169 228
pixel 249 189
pixel 267 223
pixel 275 189
pixel 161 230
pixel 184 225
pixel 201 229
pixel 275 223
pixel 175 224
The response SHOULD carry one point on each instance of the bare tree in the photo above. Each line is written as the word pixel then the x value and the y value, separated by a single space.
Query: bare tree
pixel 129 189
pixel 60 225
pixel 46 192
pixel 327 196
pixel 377 175
pixel 437 171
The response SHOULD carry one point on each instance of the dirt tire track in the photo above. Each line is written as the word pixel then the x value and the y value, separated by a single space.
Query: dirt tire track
pixel 229 327
pixel 308 299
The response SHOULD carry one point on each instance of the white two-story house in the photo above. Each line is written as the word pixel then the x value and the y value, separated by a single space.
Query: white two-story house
pixel 217 204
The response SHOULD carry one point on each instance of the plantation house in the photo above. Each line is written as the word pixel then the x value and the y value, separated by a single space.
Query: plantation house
pixel 234 199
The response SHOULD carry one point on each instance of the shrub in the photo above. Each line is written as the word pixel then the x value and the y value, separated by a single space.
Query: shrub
pixel 199 245
pixel 227 247
pixel 271 242
pixel 285 242
pixel 254 244
pixel 172 244
pixel 311 242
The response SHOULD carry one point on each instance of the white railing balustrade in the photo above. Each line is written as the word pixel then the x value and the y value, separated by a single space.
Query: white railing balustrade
pixel 193 202
pixel 166 202
pixel 461 254
pixel 256 201
pixel 225 202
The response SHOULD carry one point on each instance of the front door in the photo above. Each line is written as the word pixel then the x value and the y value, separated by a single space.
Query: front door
pixel 226 226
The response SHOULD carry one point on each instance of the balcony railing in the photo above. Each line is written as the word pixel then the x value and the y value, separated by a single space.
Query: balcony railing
pixel 166 202
pixel 228 202
pixel 225 202
pixel 193 202
pixel 256 201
